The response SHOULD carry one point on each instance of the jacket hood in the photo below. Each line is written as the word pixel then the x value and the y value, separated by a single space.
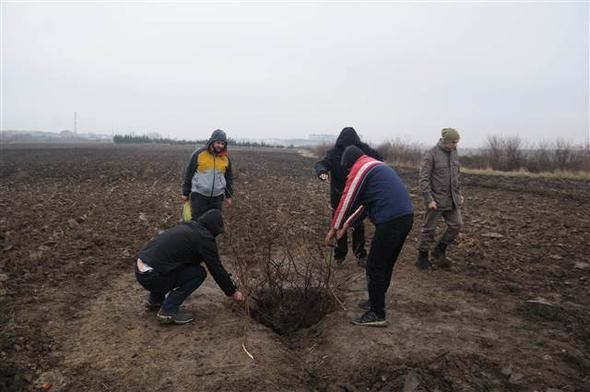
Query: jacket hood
pixel 347 137
pixel 212 221
pixel 350 155
pixel 217 136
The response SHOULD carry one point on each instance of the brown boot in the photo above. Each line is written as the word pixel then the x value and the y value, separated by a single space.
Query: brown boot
pixel 440 256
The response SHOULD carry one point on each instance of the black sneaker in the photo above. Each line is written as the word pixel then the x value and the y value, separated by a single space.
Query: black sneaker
pixel 365 304
pixel 370 319
pixel 361 261
pixel 177 317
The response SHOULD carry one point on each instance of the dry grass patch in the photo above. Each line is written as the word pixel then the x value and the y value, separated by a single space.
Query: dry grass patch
pixel 523 173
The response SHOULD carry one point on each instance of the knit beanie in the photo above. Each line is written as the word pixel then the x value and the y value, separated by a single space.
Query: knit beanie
pixel 449 135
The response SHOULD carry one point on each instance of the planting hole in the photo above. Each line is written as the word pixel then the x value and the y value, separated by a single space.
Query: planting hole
pixel 288 310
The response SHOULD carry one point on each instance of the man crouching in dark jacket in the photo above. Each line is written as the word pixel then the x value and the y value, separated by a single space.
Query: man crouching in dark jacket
pixel 169 266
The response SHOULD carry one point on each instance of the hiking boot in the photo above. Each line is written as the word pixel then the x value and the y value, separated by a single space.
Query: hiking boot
pixel 361 261
pixel 370 319
pixel 439 254
pixel 174 317
pixel 365 304
pixel 422 261
pixel 339 260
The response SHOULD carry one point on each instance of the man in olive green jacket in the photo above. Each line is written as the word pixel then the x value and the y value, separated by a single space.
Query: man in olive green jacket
pixel 439 183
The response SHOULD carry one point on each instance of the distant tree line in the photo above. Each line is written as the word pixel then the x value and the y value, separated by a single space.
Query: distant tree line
pixel 513 154
pixel 503 154
pixel 143 139
pixel 498 153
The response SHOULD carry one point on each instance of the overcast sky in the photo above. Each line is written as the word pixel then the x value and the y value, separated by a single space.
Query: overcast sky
pixel 262 70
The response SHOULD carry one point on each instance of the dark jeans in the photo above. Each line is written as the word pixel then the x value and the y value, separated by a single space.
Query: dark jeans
pixel 178 284
pixel 201 204
pixel 387 244
pixel 358 242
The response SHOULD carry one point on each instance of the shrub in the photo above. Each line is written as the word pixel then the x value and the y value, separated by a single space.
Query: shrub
pixel 401 153
pixel 320 150
pixel 504 153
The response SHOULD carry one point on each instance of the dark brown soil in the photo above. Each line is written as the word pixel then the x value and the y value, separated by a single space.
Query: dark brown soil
pixel 290 310
pixel 512 314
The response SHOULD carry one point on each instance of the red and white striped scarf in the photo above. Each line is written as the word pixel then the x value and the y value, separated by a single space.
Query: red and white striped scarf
pixel 354 182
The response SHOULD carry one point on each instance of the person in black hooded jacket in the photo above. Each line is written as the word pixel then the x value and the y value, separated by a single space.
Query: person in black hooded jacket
pixel 169 266
pixel 330 167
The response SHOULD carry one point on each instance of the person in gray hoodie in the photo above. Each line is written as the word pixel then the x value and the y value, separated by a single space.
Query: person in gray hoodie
pixel 208 178
pixel 440 186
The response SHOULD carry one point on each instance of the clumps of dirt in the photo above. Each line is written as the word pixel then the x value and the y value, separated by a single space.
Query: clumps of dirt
pixel 445 373
pixel 74 204
pixel 572 317
pixel 11 378
pixel 289 310
pixel 567 312
pixel 23 345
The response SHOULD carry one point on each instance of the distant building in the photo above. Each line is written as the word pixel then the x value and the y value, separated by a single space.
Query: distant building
pixel 322 138
pixel 67 134
pixel 311 140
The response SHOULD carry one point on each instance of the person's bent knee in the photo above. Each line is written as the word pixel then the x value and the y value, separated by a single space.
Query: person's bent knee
pixel 195 274
pixel 456 228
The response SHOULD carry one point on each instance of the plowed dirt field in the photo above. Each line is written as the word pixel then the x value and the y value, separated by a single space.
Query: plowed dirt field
pixel 512 314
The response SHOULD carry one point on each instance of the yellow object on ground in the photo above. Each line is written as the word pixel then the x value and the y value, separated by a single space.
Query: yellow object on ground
pixel 186 211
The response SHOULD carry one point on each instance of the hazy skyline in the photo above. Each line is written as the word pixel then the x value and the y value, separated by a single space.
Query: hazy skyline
pixel 261 70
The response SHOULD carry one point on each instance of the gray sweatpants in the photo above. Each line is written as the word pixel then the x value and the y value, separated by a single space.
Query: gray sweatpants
pixel 452 218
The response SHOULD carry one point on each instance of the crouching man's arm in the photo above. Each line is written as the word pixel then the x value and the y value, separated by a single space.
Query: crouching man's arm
pixel 211 258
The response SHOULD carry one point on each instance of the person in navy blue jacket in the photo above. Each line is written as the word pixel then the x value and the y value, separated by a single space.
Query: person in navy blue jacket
pixel 329 168
pixel 374 189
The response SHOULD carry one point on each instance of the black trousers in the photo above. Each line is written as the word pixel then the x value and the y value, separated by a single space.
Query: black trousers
pixel 173 288
pixel 385 248
pixel 358 242
pixel 201 204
